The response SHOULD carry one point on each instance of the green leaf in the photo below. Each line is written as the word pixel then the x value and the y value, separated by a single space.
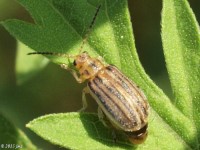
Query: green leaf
pixel 61 25
pixel 85 131
pixel 181 42
pixel 26 66
pixel 13 136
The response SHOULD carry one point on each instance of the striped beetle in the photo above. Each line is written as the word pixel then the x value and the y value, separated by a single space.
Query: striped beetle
pixel 120 100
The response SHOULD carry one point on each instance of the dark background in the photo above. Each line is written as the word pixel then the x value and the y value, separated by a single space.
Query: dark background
pixel 49 90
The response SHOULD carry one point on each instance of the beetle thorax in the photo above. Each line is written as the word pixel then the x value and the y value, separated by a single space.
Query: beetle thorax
pixel 87 67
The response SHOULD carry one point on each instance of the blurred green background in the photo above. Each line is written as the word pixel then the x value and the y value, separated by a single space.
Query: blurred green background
pixel 54 90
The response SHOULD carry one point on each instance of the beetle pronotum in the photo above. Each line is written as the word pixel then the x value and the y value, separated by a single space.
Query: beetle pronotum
pixel 120 100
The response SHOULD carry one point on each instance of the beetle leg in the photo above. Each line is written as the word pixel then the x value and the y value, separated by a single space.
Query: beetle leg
pixel 106 123
pixel 73 72
pixel 84 100
pixel 102 117
pixel 100 114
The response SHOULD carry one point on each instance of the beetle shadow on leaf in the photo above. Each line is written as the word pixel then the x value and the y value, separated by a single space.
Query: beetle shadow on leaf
pixel 97 131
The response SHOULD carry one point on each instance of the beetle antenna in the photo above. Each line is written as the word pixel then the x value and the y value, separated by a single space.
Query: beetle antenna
pixel 89 29
pixel 51 53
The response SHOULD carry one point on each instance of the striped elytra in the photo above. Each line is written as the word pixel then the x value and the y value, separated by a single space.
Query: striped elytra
pixel 121 101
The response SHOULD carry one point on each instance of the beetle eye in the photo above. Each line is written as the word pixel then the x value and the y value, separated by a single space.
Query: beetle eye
pixel 74 63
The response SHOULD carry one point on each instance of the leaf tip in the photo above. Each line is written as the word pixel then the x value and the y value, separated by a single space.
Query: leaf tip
pixel 28 125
